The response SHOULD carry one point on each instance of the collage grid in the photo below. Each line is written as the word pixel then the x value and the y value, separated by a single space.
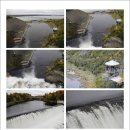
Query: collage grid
pixel 71 95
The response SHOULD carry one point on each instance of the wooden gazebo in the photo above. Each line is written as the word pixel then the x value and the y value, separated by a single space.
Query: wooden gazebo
pixel 112 68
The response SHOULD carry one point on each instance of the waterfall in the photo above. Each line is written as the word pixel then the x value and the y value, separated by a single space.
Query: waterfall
pixel 87 42
pixel 105 114
pixel 29 80
pixel 49 118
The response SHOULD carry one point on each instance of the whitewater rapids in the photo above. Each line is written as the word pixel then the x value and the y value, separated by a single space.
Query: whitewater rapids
pixel 102 116
pixel 29 80
pixel 49 118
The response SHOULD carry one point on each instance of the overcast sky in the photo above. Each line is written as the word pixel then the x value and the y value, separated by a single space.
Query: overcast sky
pixel 32 92
pixel 38 12
pixel 74 98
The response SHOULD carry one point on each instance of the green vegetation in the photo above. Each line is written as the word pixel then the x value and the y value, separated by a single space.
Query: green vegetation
pixel 104 83
pixel 49 98
pixel 57 38
pixel 90 66
pixel 116 32
pixel 71 30
pixel 75 20
pixel 94 60
pixel 14 59
pixel 52 98
pixel 55 73
pixel 16 98
pixel 15 29
pixel 10 38
pixel 86 77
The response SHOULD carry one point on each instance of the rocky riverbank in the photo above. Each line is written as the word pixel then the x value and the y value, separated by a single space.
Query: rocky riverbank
pixel 15 30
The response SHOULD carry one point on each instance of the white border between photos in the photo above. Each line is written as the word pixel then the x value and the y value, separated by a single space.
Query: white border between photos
pixel 65 5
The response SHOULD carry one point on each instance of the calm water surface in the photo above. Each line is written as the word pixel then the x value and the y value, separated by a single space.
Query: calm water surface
pixel 98 26
pixel 26 107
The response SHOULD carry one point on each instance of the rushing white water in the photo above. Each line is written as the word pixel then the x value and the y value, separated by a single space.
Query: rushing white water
pixel 110 116
pixel 87 42
pixel 28 81
pixel 49 118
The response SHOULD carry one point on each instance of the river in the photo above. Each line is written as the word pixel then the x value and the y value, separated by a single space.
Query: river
pixel 72 81
pixel 41 59
pixel 98 25
pixel 33 76
pixel 26 107
pixel 36 30
pixel 94 109
pixel 38 115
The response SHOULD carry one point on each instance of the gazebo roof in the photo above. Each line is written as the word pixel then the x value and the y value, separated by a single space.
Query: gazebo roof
pixel 111 63
pixel 118 20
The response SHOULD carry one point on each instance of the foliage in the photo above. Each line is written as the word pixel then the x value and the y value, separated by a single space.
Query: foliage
pixel 94 60
pixel 55 73
pixel 116 30
pixel 71 30
pixel 16 98
pixel 86 77
pixel 58 65
pixel 103 83
pixel 57 38
pixel 9 17
pixel 13 61
pixel 9 39
pixel 54 96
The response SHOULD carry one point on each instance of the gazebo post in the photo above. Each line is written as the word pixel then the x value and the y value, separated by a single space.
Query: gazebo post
pixel 112 68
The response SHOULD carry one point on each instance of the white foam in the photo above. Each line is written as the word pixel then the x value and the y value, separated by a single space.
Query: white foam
pixel 49 118
pixel 28 81
pixel 102 117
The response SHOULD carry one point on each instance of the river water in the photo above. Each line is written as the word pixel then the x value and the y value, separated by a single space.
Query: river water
pixel 41 59
pixel 26 107
pixel 38 116
pixel 33 76
pixel 73 82
pixel 98 25
pixel 94 109
pixel 36 30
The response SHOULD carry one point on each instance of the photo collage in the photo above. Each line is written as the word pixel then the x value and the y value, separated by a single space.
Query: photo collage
pixel 65 68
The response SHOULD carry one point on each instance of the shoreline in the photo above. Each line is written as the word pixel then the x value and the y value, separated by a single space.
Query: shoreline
pixel 25 113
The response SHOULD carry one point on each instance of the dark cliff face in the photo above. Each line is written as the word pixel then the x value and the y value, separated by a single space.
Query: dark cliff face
pixel 76 16
pixel 14 24
pixel 15 28
pixel 75 20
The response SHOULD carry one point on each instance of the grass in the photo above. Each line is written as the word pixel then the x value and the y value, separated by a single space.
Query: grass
pixel 55 39
pixel 86 77
pixel 116 31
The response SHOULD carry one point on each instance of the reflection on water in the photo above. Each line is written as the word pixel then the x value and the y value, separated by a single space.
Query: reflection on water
pixel 36 32
pixel 25 108
pixel 40 61
pixel 73 83
pixel 98 26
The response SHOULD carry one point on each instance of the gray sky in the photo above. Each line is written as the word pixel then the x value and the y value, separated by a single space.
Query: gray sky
pixel 81 97
pixel 32 92
pixel 25 12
